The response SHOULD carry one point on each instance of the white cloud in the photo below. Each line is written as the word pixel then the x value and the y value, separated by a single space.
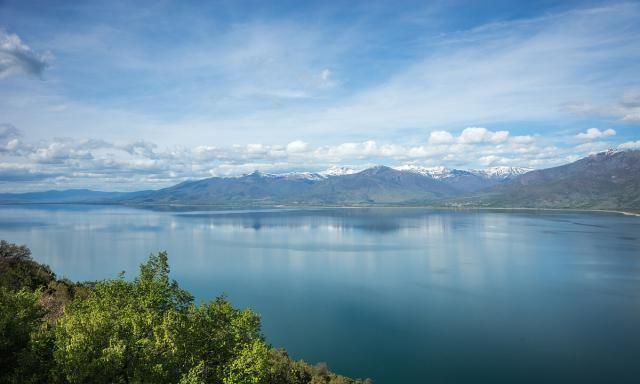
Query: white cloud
pixel 595 133
pixel 269 76
pixel 297 146
pixel 475 135
pixel 591 147
pixel 626 109
pixel 491 160
pixel 140 147
pixel 630 145
pixel 100 164
pixel 18 58
pixel 325 74
pixel 525 139
pixel 440 137
pixel 256 149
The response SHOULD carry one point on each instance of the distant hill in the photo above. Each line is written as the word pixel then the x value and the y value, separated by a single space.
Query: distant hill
pixel 467 181
pixel 376 185
pixel 67 196
pixel 607 180
pixel 256 188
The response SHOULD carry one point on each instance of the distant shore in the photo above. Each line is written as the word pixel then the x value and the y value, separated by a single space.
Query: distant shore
pixel 326 206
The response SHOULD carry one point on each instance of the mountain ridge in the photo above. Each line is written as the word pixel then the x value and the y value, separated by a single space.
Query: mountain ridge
pixel 607 180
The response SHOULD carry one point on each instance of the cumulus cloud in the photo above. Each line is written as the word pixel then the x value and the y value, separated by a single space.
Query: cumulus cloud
pixel 491 160
pixel 595 133
pixel 18 58
pixel 141 147
pixel 297 146
pixel 630 145
pixel 255 149
pixel 440 137
pixel 474 135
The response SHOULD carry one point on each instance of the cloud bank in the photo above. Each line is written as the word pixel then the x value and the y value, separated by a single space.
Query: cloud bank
pixel 101 164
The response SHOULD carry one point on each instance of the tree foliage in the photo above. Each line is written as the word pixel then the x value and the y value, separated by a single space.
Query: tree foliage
pixel 18 270
pixel 147 330
pixel 25 340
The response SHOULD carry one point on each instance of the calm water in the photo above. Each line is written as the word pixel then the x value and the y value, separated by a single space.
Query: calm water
pixel 398 295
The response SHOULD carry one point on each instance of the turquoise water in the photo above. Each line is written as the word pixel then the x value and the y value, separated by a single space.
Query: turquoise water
pixel 398 295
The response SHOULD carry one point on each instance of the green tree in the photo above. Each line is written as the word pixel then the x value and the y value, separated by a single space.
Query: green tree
pixel 149 330
pixel 18 270
pixel 143 331
pixel 25 343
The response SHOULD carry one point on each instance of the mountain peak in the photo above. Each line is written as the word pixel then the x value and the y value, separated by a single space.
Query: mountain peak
pixel 335 170
pixel 377 169
pixel 609 152
pixel 259 174
pixel 501 172
pixel 439 172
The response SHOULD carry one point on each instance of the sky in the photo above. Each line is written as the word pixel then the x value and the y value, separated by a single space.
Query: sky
pixel 113 95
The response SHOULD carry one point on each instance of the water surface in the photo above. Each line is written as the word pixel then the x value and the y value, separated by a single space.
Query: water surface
pixel 398 295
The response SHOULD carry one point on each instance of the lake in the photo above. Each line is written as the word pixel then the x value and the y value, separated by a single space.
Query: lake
pixel 399 295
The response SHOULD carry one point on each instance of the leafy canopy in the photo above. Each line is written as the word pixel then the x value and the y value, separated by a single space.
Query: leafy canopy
pixel 147 330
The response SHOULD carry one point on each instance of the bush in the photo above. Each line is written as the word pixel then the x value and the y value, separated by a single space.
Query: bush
pixel 143 331
pixel 25 346
pixel 18 270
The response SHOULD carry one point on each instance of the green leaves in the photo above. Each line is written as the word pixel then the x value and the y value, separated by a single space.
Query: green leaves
pixel 149 330
pixel 21 328
pixel 143 331
pixel 18 270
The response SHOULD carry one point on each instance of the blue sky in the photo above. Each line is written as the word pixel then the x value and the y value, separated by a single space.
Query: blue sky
pixel 112 95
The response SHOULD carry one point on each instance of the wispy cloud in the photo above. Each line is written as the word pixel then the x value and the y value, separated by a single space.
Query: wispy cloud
pixel 318 82
pixel 217 91
pixel 18 58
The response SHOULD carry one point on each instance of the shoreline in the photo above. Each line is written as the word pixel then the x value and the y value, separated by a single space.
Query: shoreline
pixel 293 207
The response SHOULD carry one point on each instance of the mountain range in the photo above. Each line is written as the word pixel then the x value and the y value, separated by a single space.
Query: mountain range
pixel 607 180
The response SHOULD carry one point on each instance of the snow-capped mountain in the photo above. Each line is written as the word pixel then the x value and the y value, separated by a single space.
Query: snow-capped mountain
pixel 338 171
pixel 301 176
pixel 286 175
pixel 494 173
pixel 500 173
pixel 437 173
pixel 607 180
pixel 432 172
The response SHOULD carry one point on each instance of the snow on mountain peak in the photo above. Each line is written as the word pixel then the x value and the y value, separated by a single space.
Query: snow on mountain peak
pixel 440 172
pixel 433 172
pixel 501 172
pixel 302 176
pixel 335 170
